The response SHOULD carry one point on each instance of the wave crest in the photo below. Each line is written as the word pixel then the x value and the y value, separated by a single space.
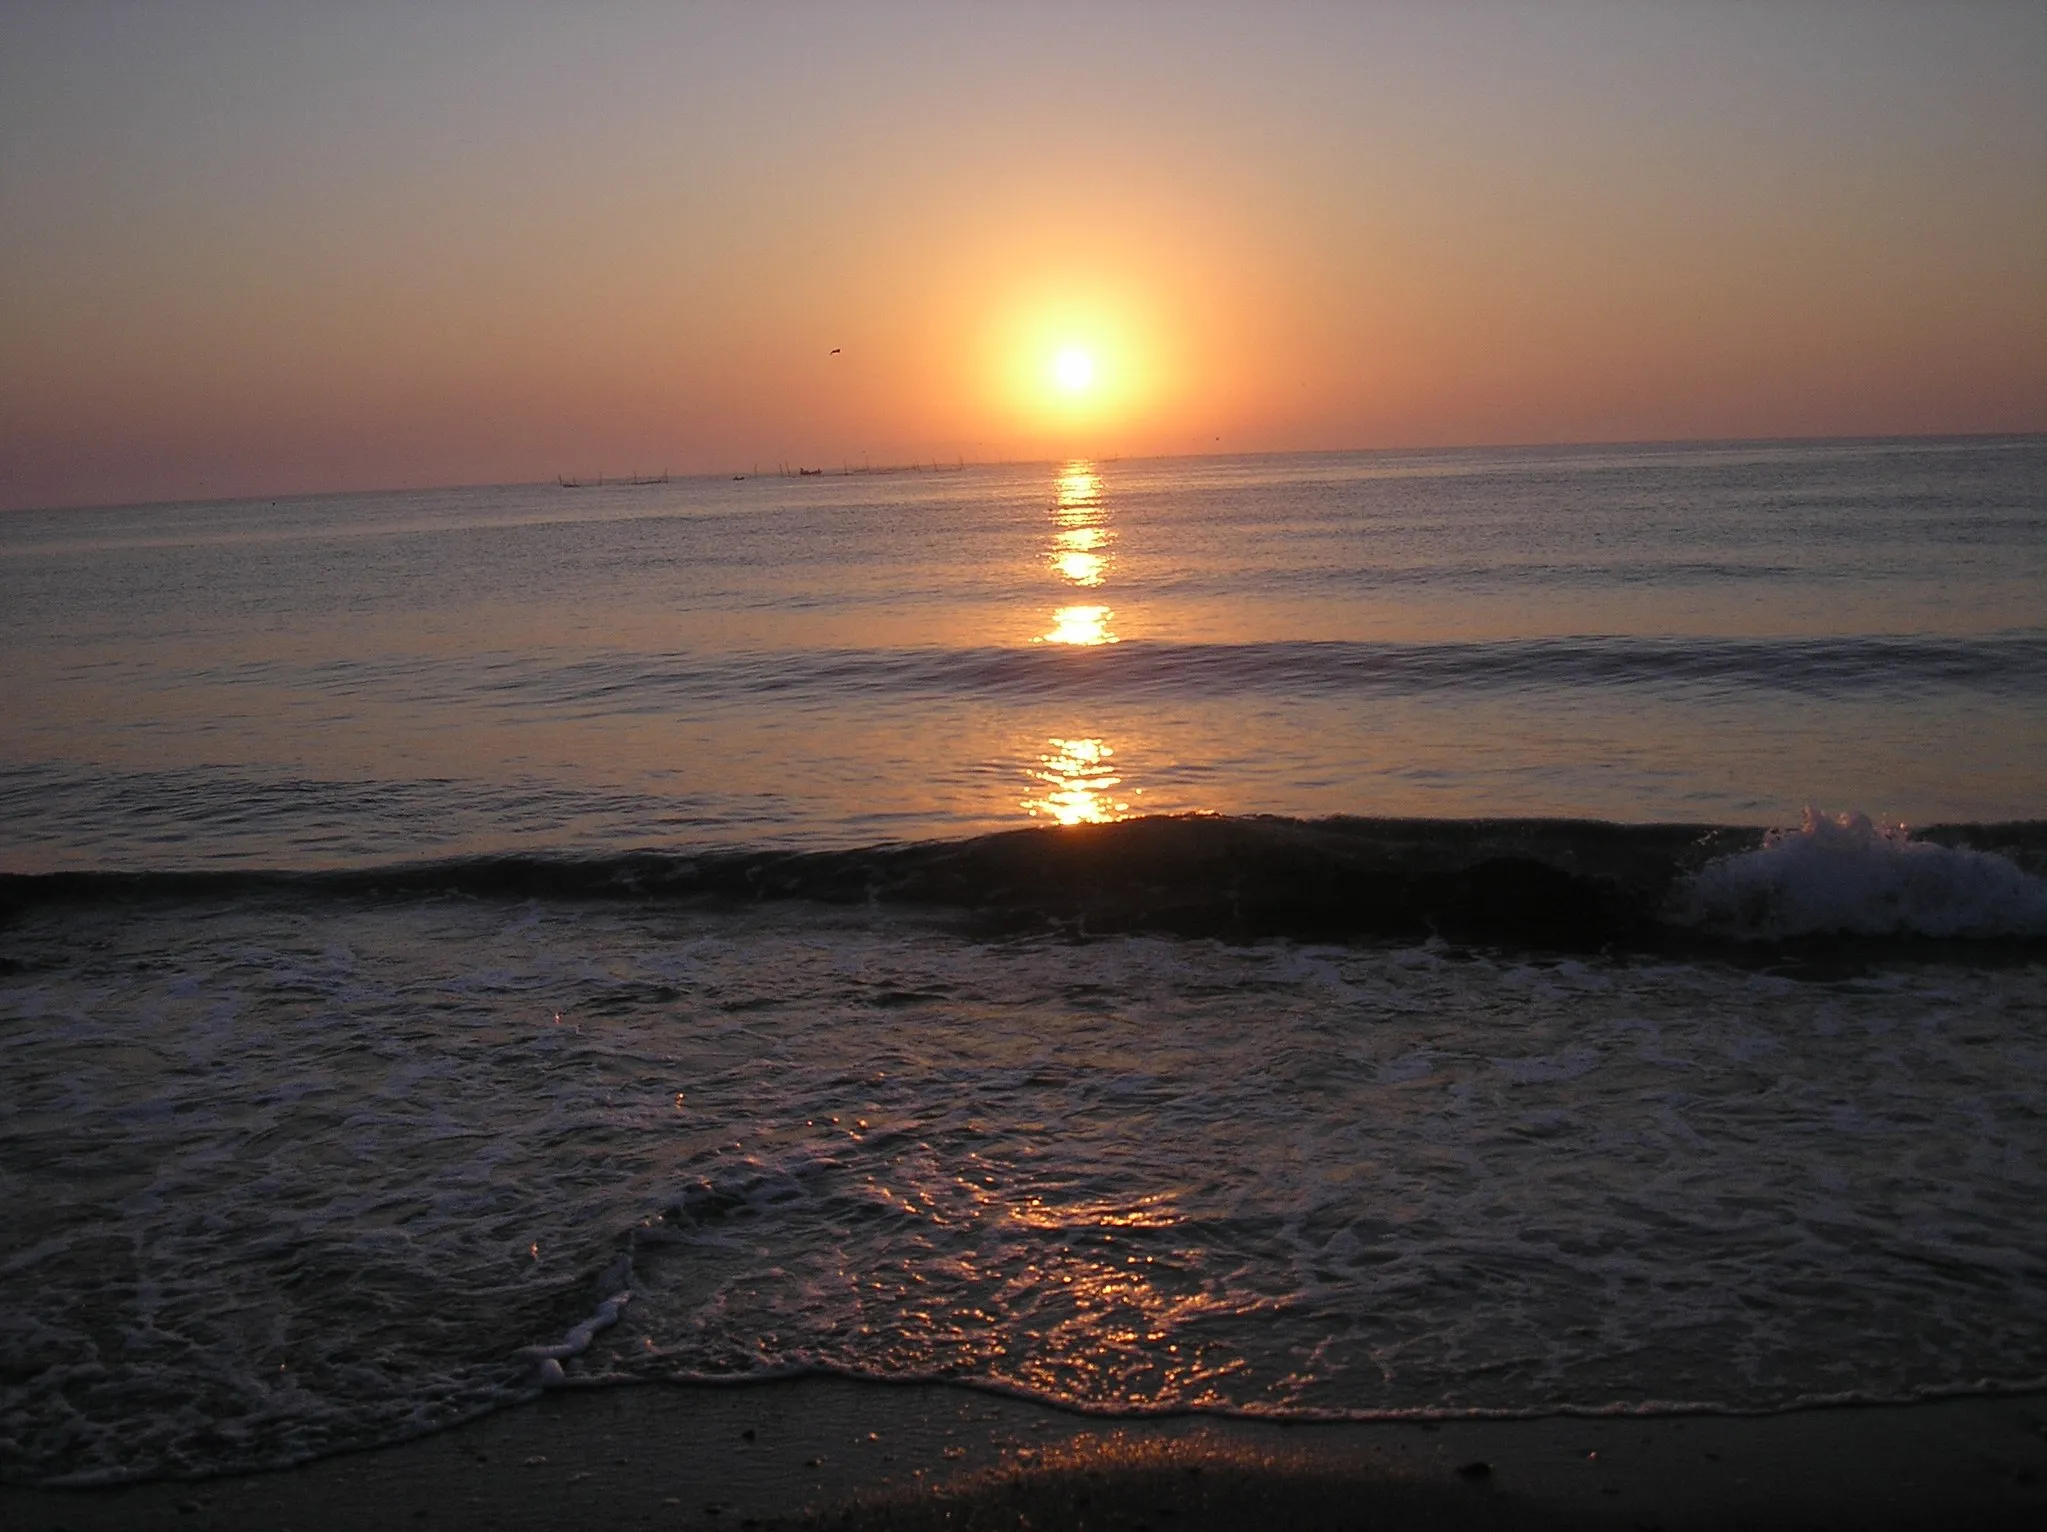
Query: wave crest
pixel 1568 885
pixel 1846 873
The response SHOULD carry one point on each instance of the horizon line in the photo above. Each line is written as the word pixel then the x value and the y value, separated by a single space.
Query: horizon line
pixel 961 464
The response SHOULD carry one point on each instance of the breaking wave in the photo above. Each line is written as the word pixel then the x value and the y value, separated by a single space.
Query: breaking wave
pixel 1566 885
pixel 1846 873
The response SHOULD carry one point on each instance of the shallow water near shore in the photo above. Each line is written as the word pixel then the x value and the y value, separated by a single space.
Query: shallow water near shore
pixel 457 944
pixel 310 1175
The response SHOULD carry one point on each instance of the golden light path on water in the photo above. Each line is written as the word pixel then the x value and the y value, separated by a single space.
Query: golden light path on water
pixel 1111 1317
pixel 1074 782
pixel 1085 626
pixel 1080 541
pixel 1080 555
pixel 1080 566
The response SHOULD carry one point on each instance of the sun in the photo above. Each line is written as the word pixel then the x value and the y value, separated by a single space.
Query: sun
pixel 1071 360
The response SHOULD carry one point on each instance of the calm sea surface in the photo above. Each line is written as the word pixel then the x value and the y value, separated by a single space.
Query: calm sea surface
pixel 1719 633
pixel 307 1161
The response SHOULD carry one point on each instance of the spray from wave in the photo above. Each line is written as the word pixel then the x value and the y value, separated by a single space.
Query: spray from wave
pixel 1849 874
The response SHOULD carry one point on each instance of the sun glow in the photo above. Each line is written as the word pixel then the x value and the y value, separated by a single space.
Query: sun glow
pixel 1076 362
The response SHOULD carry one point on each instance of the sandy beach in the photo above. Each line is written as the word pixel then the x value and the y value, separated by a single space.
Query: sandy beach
pixel 825 1452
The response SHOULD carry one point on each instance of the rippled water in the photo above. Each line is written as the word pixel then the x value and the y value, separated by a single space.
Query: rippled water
pixel 537 1092
pixel 308 1176
pixel 1714 633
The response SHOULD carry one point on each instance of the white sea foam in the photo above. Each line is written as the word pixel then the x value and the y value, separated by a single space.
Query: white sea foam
pixel 1849 873
pixel 548 1360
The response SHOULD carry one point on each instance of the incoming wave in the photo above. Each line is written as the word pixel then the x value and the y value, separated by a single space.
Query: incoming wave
pixel 1998 665
pixel 1571 885
pixel 1845 873
pixel 2014 664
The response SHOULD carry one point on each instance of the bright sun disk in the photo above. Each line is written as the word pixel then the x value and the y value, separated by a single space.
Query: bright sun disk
pixel 1074 369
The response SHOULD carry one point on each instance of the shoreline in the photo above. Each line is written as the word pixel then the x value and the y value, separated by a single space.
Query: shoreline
pixel 829 1451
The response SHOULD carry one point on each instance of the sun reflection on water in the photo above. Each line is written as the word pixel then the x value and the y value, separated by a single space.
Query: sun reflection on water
pixel 1079 566
pixel 1157 1210
pixel 1080 554
pixel 1080 543
pixel 1083 625
pixel 1079 489
pixel 1076 784
pixel 1088 1300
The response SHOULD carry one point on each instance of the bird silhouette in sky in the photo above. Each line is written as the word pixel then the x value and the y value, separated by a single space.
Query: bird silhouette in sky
pixel 835 351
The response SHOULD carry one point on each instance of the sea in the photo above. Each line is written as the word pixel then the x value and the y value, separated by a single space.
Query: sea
pixel 1341 936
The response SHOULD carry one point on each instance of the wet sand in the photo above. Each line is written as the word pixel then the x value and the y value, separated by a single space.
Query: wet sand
pixel 824 1452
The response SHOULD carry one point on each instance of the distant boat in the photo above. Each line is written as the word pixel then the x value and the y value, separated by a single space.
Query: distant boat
pixel 808 473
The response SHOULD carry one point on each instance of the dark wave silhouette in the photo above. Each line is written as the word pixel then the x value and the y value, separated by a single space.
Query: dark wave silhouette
pixel 1566 885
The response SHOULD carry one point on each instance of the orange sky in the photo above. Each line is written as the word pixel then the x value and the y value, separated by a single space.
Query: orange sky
pixel 262 249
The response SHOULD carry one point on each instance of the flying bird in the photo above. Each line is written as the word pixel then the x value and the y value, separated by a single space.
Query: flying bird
pixel 835 351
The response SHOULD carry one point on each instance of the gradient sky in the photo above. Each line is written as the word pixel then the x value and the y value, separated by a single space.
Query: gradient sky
pixel 258 248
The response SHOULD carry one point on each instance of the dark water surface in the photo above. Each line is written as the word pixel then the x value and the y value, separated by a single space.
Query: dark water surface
pixel 457 943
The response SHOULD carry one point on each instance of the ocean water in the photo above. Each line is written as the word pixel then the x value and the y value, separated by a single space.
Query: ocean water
pixel 459 943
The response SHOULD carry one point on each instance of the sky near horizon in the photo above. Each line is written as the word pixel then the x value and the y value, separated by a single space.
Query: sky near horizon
pixel 260 249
